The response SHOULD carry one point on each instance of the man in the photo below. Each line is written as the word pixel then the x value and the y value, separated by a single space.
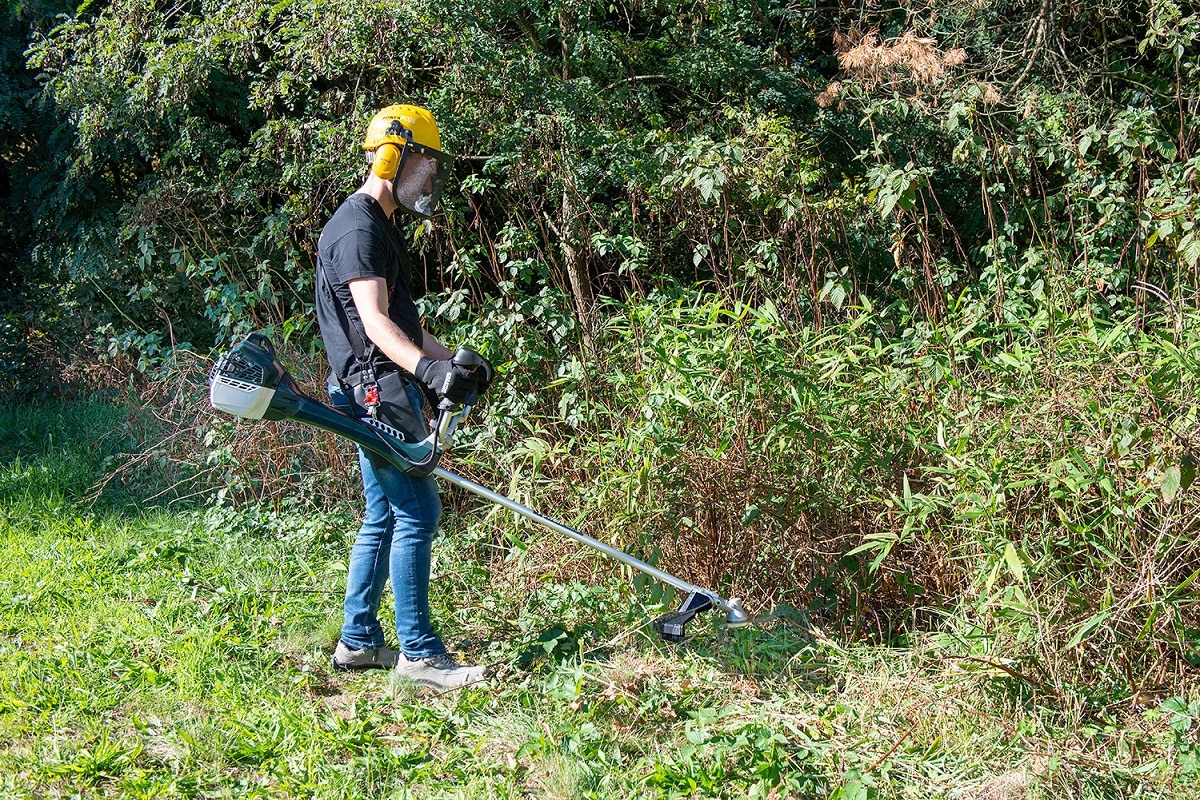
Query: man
pixel 381 358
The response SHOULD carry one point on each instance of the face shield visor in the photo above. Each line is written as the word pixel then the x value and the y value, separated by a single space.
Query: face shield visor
pixel 419 179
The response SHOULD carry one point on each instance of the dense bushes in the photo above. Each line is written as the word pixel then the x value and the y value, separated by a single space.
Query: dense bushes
pixel 1038 481
pixel 1047 482
pixel 902 152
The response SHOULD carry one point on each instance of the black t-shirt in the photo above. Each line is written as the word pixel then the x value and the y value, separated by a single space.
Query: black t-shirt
pixel 359 241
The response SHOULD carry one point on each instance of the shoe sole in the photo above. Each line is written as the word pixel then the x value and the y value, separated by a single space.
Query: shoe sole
pixel 425 683
pixel 356 667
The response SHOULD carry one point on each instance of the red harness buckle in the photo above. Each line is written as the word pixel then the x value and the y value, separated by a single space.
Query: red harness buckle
pixel 371 399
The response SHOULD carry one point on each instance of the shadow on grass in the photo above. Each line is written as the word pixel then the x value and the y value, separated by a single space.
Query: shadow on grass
pixel 61 452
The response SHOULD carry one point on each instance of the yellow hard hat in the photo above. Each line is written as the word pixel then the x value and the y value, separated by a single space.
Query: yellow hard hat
pixel 418 121
pixel 403 147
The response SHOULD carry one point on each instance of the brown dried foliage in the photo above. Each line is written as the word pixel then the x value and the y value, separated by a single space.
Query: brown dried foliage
pixel 916 59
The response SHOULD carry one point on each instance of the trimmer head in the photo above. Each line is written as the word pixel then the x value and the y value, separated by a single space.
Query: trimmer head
pixel 736 616
pixel 672 626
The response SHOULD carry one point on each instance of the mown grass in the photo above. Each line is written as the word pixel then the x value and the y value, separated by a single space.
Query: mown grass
pixel 159 652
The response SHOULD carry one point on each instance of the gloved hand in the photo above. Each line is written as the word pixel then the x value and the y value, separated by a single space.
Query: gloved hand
pixel 445 379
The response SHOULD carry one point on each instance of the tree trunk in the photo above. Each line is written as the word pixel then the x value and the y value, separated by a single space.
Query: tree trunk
pixel 577 277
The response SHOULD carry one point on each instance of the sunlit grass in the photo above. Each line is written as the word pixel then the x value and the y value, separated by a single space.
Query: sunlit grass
pixel 159 652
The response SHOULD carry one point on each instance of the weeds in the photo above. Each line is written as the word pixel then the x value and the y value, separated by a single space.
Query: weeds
pixel 976 546
pixel 1032 478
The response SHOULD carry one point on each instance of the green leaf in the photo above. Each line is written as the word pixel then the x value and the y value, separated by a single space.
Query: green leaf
pixel 1171 483
pixel 1187 472
pixel 837 296
pixel 551 639
pixel 1013 560
pixel 1087 628
pixel 1179 714
pixel 1182 587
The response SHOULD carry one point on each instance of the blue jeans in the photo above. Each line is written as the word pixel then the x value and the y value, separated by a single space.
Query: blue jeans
pixel 396 539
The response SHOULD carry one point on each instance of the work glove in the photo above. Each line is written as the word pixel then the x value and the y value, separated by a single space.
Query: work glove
pixel 446 379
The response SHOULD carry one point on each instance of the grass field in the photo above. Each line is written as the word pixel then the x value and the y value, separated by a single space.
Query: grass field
pixel 183 652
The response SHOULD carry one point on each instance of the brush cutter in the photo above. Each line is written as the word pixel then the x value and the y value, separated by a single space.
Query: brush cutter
pixel 248 381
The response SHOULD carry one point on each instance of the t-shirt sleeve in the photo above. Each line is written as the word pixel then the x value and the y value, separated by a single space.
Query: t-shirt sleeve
pixel 360 252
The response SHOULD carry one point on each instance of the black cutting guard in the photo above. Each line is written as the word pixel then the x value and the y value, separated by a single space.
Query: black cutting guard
pixel 672 626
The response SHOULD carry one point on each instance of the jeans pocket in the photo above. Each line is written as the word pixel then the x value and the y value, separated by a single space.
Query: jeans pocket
pixel 337 398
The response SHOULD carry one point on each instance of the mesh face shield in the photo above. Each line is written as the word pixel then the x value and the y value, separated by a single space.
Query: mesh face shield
pixel 419 179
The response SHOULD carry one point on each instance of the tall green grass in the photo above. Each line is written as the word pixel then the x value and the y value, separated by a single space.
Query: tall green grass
pixel 1028 479
pixel 1031 480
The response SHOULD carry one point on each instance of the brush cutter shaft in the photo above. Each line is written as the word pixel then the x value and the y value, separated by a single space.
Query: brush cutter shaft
pixel 583 538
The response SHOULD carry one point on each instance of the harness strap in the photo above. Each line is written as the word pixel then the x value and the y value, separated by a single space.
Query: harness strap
pixel 364 376
pixel 364 351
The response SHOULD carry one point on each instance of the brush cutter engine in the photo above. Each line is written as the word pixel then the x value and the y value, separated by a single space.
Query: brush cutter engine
pixel 249 382
pixel 243 381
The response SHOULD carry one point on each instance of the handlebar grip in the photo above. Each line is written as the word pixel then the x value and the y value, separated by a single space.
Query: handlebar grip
pixel 471 360
pixel 469 400
pixel 468 358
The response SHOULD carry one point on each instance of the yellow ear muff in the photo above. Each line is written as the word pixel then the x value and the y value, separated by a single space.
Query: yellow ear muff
pixel 387 161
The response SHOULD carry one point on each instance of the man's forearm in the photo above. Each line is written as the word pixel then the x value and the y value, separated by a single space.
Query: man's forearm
pixel 388 337
pixel 370 296
pixel 433 348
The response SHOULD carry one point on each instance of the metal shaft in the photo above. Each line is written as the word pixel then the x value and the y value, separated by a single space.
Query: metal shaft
pixel 583 538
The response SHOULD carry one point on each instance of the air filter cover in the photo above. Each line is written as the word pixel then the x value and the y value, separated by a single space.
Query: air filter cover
pixel 243 381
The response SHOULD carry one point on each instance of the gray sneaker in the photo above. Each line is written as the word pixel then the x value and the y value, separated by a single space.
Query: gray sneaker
pixel 439 672
pixel 376 658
